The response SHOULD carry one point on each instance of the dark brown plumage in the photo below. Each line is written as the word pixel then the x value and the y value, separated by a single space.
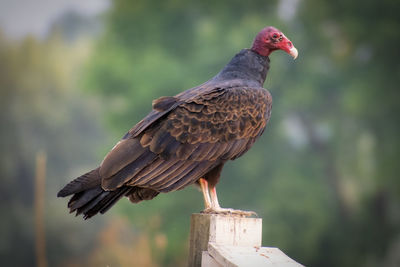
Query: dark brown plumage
pixel 184 138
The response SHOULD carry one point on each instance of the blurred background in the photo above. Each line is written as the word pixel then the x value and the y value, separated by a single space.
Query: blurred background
pixel 76 75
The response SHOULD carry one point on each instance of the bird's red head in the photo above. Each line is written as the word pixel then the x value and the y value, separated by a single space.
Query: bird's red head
pixel 270 39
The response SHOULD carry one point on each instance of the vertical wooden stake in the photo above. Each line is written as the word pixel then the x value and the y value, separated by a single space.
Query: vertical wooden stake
pixel 40 179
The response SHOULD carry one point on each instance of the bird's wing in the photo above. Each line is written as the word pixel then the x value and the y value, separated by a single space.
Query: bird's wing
pixel 161 107
pixel 189 139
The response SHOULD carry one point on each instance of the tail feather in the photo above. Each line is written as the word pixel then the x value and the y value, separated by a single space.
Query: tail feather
pixel 91 204
pixel 84 182
pixel 103 203
pixel 89 198
pixel 95 200
pixel 112 200
pixel 81 198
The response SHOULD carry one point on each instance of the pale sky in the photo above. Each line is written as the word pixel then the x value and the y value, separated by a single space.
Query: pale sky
pixel 21 17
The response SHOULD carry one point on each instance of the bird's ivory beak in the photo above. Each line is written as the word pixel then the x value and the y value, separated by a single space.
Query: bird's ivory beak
pixel 293 52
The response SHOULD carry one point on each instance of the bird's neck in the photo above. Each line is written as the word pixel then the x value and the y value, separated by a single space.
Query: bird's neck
pixel 248 66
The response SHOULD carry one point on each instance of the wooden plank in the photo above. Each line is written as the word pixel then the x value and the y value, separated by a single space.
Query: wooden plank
pixel 234 256
pixel 223 230
pixel 231 241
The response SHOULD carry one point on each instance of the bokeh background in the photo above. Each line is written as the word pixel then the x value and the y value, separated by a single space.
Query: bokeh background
pixel 76 75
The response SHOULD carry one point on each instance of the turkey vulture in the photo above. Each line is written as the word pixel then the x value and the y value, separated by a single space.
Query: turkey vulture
pixel 187 138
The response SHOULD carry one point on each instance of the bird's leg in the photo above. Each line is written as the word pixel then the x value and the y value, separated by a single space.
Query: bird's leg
pixel 214 199
pixel 204 189
pixel 216 208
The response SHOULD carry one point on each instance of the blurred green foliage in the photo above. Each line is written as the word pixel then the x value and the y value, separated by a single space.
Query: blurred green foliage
pixel 42 110
pixel 324 176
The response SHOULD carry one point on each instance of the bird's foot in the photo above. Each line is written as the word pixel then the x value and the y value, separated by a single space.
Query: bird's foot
pixel 225 211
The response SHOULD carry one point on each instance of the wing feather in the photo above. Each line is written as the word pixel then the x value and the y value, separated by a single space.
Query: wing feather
pixel 201 151
pixel 173 177
pixel 169 151
pixel 164 175
pixel 128 172
pixel 199 171
pixel 153 173
pixel 124 152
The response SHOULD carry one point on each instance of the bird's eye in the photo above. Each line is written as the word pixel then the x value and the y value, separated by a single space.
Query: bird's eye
pixel 275 36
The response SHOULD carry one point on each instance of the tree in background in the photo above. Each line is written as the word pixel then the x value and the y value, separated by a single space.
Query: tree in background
pixel 41 109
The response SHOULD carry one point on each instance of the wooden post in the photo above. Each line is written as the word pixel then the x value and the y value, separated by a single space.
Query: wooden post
pixel 225 240
pixel 40 183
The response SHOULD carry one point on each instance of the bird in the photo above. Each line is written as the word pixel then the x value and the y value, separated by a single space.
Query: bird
pixel 187 138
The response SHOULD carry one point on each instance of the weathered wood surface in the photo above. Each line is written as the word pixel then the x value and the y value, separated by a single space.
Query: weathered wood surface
pixel 223 230
pixel 224 240
pixel 234 256
pixel 208 260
